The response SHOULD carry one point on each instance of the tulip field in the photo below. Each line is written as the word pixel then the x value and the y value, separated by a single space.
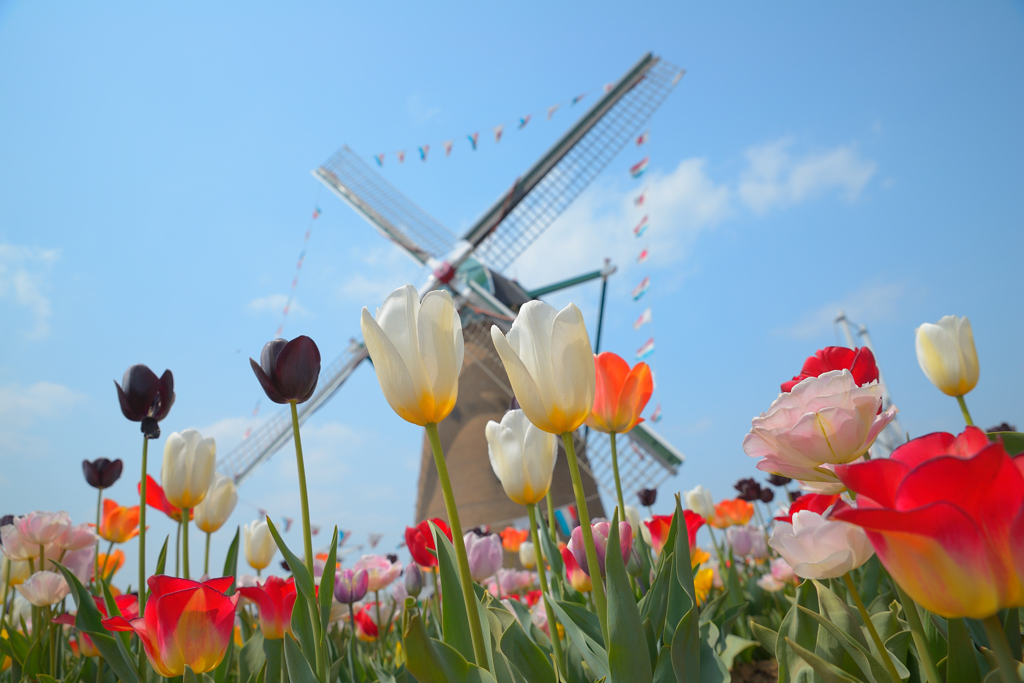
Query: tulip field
pixel 834 562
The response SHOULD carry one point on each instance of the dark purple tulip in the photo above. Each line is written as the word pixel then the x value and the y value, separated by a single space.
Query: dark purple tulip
pixel 350 586
pixel 146 398
pixel 778 480
pixel 102 473
pixel 767 495
pixel 288 370
pixel 647 497
pixel 749 490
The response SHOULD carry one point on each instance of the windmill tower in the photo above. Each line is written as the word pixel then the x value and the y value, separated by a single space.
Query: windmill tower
pixel 470 268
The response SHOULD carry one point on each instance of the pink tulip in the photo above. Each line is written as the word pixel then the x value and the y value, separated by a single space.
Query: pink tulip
pixel 485 554
pixel 42 527
pixel 601 531
pixel 381 571
pixel 77 537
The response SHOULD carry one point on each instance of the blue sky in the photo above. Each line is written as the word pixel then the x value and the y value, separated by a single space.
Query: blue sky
pixel 156 189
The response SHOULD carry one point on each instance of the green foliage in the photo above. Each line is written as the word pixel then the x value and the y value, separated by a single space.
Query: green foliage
pixel 628 657
pixel 433 661
pixel 454 617
pixel 231 561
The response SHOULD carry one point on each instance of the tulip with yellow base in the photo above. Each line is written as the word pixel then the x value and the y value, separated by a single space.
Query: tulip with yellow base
pixel 946 354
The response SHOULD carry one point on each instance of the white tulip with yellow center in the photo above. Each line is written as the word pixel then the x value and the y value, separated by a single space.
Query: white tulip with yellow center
pixel 217 506
pixel 522 457
pixel 946 353
pixel 550 364
pixel 259 544
pixel 187 469
pixel 416 348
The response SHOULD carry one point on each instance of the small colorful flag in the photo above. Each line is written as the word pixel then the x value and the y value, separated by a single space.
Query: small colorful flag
pixel 644 137
pixel 639 168
pixel 646 350
pixel 316 213
pixel 644 318
pixel 380 159
pixel 261 512
pixel 424 151
pixel 643 256
pixel 563 525
pixel 375 539
pixel 608 87
pixel 401 156
pixel 248 433
pixel 448 146
pixel 641 288
pixel 473 137
pixel 288 521
pixel 656 415
pixel 524 120
pixel 343 536
pixel 639 201
pixel 552 110
pixel 314 529
pixel 641 227
pixel 498 130
pixel 578 98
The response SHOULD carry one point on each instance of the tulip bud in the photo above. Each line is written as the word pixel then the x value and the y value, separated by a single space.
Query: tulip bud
pixel 527 555
pixel 187 468
pixel 413 580
pixel 485 554
pixel 217 506
pixel 146 398
pixel 522 457
pixel 633 567
pixel 700 501
pixel 600 531
pixel 947 356
pixel 102 473
pixel 260 547
pixel 288 370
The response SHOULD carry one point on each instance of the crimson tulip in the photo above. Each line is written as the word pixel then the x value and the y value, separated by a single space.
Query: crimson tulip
pixel 659 525
pixel 146 398
pixel 621 394
pixel 366 629
pixel 815 502
pixel 186 623
pixel 420 541
pixel 860 362
pixel 288 370
pixel 946 516
pixel 275 597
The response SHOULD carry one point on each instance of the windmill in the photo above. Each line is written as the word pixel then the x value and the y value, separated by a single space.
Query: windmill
pixel 470 268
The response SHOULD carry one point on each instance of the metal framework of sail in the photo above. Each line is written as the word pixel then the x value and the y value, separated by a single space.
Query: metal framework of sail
pixel 501 234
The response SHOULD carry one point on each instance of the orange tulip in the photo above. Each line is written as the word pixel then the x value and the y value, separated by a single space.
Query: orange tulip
pixel 733 512
pixel 118 524
pixel 621 394
pixel 109 564
pixel 512 538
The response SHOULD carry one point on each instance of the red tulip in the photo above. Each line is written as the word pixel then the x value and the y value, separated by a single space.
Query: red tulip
pixel 946 516
pixel 621 394
pixel 420 541
pixel 860 362
pixel 366 629
pixel 577 578
pixel 660 524
pixel 815 502
pixel 186 623
pixel 155 498
pixel 275 598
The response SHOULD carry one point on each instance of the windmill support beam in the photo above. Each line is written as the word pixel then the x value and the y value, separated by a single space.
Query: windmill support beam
pixel 572 282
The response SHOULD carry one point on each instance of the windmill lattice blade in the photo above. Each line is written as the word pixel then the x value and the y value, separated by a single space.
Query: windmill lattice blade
pixel 640 466
pixel 536 203
pixel 276 431
pixel 393 214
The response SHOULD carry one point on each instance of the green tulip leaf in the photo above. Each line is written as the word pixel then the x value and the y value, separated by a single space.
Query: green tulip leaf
pixel 870 665
pixel 1013 442
pixel 591 650
pixel 551 552
pixel 684 572
pixel 734 646
pixel 686 648
pixel 663 672
pixel 830 673
pixel 1011 626
pixel 189 676
pixel 161 559
pixel 653 606
pixel 251 657
pixel 299 670
pixel 767 637
pixel 524 654
pixel 326 594
pixel 800 629
pixel 231 562
pixel 220 674
pixel 273 656
pixel 454 617
pixel 961 665
pixel 303 579
pixel 628 658
pixel 585 619
pixel 302 630
pixel 433 661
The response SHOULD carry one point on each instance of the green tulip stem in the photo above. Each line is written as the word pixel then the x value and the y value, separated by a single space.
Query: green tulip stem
pixel 96 555
pixel 7 585
pixel 917 631
pixel 184 542
pixel 206 560
pixel 963 409
pixel 588 533
pixel 142 542
pixel 882 652
pixel 351 645
pixel 551 518
pixel 615 471
pixel 475 630
pixel 380 625
pixel 177 551
pixel 307 545
pixel 997 641
pixel 718 550
pixel 556 642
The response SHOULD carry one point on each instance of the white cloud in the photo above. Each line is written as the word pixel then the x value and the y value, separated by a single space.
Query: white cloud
pixel 23 273
pixel 775 178
pixel 875 301
pixel 390 268
pixel 22 406
pixel 274 303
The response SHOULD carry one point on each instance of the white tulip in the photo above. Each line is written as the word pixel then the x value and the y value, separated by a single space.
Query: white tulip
pixel 550 364
pixel 947 356
pixel 260 547
pixel 817 548
pixel 633 517
pixel 220 501
pixel 44 588
pixel 15 546
pixel 699 500
pixel 527 555
pixel 416 348
pixel 14 571
pixel 522 457
pixel 187 468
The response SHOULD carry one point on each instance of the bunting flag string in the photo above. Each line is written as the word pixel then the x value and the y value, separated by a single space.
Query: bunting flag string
pixel 473 138
pixel 642 258
pixel 656 415
pixel 646 350
pixel 448 146
pixel 640 228
pixel 498 130
pixel 288 521
pixel 641 288
pixel 639 201
pixel 523 121
pixel 643 138
pixel 644 318
pixel 424 150
pixel 639 168
pixel 374 539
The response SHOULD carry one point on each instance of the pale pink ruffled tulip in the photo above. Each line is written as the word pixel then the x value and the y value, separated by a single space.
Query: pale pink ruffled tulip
pixel 381 570
pixel 76 537
pixel 42 527
pixel 44 588
pixel 817 548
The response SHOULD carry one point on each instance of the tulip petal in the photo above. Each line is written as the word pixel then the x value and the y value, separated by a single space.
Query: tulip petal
pixel 939 357
pixel 436 320
pixel 635 394
pixel 298 369
pixel 876 479
pixel 392 373
pixel 572 362
pixel 611 372
pixel 523 384
pixel 268 387
pixel 398 318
